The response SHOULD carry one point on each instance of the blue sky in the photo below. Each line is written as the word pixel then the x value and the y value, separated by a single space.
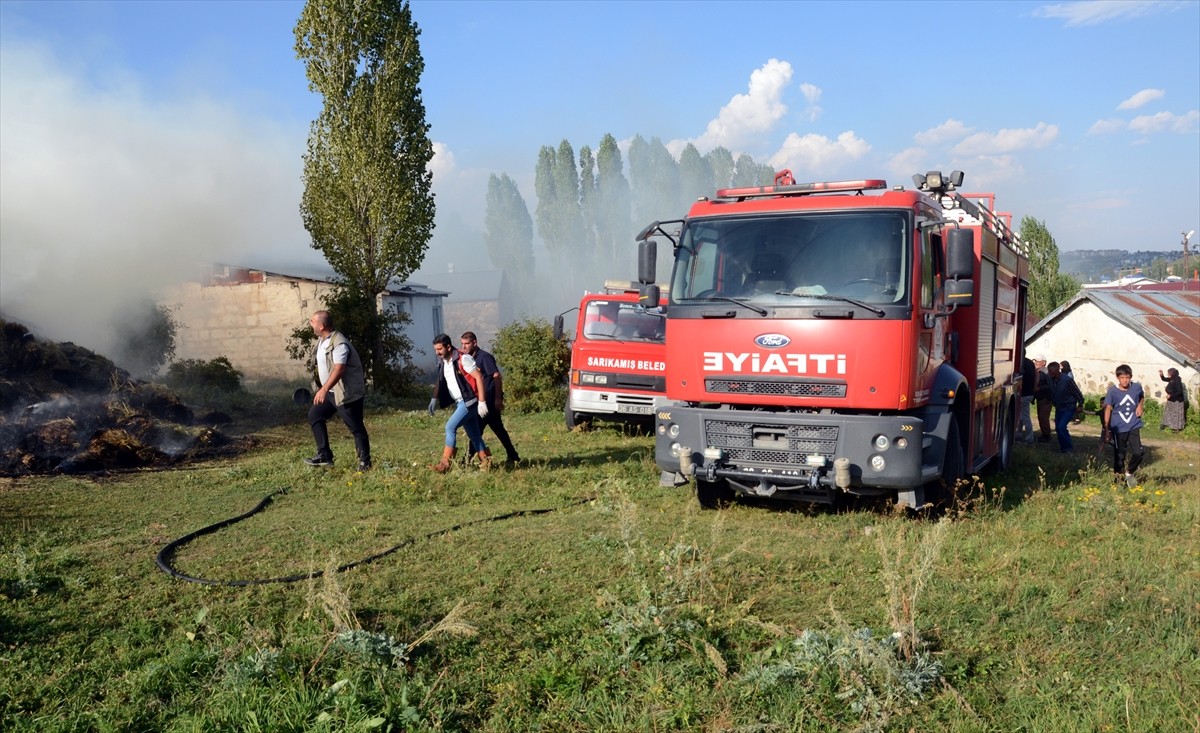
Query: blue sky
pixel 137 135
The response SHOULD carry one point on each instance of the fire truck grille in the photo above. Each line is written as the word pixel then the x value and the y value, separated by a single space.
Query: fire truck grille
pixel 776 388
pixel 747 442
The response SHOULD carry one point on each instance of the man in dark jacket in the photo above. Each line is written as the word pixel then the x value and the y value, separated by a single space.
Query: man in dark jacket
pixel 1029 377
pixel 493 388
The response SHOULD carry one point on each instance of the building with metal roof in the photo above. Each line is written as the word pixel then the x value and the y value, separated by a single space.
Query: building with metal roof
pixel 1099 329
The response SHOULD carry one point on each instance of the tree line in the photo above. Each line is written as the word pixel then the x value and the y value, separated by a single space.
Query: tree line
pixel 590 206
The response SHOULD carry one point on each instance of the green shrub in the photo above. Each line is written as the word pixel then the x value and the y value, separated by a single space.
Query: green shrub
pixel 217 373
pixel 535 366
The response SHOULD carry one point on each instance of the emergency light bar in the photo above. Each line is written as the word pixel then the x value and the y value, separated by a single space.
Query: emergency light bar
pixel 800 189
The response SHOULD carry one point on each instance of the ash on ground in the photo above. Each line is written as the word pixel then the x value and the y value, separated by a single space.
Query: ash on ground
pixel 66 409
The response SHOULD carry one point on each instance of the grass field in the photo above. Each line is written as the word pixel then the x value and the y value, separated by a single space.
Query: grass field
pixel 1051 600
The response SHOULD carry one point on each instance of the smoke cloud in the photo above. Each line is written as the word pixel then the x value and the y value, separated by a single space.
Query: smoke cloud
pixel 105 195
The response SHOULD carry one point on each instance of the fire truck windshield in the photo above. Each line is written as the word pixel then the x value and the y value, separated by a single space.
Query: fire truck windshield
pixel 783 259
pixel 615 321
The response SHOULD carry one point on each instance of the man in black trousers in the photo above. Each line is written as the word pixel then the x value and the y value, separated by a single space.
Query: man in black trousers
pixel 493 388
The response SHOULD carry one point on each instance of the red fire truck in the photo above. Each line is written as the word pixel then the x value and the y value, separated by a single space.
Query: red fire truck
pixel 838 338
pixel 617 357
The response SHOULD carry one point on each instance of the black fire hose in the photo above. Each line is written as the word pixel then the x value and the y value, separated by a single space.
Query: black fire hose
pixel 163 559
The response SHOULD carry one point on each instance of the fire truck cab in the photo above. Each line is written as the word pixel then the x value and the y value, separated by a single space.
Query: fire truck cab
pixel 617 357
pixel 839 338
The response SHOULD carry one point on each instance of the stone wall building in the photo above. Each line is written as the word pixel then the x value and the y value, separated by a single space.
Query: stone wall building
pixel 247 316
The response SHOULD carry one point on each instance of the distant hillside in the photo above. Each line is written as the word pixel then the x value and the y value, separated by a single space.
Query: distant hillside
pixel 1101 265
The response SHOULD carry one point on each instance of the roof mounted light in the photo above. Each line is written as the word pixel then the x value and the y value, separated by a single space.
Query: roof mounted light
pixel 935 184
pixel 800 189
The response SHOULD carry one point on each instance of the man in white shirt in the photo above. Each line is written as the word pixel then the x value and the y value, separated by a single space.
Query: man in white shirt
pixel 460 383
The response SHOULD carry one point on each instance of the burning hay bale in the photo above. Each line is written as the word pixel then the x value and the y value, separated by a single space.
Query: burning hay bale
pixel 66 409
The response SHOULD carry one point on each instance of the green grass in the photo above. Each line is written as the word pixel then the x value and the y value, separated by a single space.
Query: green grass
pixel 1049 600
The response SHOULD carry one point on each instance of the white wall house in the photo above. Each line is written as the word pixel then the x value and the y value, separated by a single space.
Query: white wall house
pixel 1149 330
pixel 247 316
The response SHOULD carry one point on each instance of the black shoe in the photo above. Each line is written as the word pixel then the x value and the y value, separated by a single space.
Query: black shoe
pixel 319 461
pixel 364 465
pixel 512 461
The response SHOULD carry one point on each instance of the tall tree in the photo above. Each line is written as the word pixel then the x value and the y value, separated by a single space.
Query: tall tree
pixel 367 202
pixel 720 162
pixel 747 172
pixel 615 229
pixel 589 203
pixel 695 176
pixel 1048 288
pixel 508 232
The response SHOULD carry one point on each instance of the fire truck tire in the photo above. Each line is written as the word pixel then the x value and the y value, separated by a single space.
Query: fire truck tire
pixel 574 420
pixel 713 494
pixel 940 492
pixel 1004 455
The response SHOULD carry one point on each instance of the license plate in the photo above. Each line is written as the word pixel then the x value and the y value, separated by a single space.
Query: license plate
pixel 636 409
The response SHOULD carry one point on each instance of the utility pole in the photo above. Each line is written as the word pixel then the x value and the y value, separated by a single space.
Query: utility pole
pixel 1187 274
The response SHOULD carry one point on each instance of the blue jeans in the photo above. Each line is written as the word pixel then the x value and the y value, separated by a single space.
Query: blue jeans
pixel 1062 418
pixel 465 418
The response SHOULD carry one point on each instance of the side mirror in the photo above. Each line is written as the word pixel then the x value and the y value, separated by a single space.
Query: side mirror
pixel 647 263
pixel 960 292
pixel 648 296
pixel 960 254
pixel 558 327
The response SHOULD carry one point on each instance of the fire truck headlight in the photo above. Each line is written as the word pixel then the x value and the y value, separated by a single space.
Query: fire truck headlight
pixel 901 443
pixel 589 378
pixel 675 449
pixel 673 431
pixel 877 463
pixel 662 429
pixel 881 443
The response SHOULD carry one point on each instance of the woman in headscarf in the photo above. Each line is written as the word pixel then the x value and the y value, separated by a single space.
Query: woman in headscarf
pixel 1174 414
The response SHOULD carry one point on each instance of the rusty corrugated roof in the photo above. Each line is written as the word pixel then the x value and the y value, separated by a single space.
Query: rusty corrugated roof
pixel 1169 319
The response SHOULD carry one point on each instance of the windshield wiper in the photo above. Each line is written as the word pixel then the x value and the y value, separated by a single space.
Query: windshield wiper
pixel 877 311
pixel 726 298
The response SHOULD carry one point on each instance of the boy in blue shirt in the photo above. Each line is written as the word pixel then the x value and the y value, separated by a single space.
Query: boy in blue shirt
pixel 1124 404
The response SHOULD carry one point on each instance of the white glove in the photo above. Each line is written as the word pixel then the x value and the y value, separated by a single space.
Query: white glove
pixel 483 411
pixel 433 405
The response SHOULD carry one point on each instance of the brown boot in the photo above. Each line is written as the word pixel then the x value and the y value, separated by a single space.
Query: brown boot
pixel 485 461
pixel 447 457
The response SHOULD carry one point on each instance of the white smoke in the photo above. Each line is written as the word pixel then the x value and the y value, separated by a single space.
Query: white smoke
pixel 106 194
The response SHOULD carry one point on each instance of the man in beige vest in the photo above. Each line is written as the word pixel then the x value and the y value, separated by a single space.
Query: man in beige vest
pixel 343 388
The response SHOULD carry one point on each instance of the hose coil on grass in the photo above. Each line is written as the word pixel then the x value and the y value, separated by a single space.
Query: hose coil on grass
pixel 166 554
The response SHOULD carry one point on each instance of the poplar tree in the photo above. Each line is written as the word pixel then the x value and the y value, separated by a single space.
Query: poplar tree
pixel 615 228
pixel 1048 288
pixel 367 202
pixel 508 232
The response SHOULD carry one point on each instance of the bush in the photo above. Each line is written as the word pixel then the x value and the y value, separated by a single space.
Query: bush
pixel 535 366
pixel 216 373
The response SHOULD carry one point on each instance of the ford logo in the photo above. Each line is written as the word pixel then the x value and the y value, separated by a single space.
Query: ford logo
pixel 772 340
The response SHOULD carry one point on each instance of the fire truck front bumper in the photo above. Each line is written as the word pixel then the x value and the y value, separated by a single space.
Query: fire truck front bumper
pixel 764 453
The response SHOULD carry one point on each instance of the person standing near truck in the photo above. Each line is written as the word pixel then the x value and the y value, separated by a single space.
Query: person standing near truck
pixel 1029 379
pixel 1124 404
pixel 493 390
pixel 1044 396
pixel 1067 401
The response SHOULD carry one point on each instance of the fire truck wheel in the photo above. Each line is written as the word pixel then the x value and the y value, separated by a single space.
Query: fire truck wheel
pixel 1004 454
pixel 573 420
pixel 714 494
pixel 941 491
